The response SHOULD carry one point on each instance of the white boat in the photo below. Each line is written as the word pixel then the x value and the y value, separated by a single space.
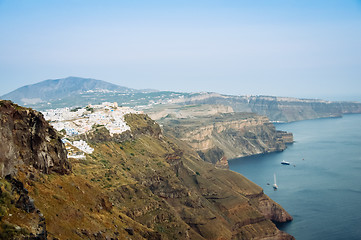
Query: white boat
pixel 274 183
pixel 285 163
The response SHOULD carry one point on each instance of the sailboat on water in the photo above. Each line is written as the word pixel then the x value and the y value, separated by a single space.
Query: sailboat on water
pixel 274 183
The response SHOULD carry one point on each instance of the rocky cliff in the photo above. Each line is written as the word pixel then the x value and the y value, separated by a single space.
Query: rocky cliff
pixel 27 139
pixel 226 136
pixel 141 186
pixel 280 109
pixel 292 109
pixel 27 144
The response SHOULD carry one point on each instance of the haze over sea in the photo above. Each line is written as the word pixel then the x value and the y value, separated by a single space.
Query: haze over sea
pixel 321 188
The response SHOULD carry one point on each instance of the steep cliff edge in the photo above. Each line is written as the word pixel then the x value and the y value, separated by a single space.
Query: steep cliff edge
pixel 141 185
pixel 292 109
pixel 227 136
pixel 27 144
pixel 279 109
pixel 27 139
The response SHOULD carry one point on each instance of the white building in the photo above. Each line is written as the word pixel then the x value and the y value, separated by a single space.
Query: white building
pixel 81 121
pixel 83 146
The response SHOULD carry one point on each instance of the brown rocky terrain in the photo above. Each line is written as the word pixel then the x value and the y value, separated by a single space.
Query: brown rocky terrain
pixel 228 135
pixel 27 139
pixel 140 185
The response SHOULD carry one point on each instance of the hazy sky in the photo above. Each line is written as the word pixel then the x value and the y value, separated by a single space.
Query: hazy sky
pixel 301 48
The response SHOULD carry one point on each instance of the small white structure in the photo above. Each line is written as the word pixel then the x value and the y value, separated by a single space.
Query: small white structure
pixel 83 146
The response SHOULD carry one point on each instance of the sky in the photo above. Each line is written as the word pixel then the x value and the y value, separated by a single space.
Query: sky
pixel 296 48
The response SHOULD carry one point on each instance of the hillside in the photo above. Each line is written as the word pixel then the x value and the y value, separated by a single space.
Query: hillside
pixel 139 185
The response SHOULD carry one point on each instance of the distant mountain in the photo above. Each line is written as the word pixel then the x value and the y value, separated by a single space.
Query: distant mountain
pixel 61 88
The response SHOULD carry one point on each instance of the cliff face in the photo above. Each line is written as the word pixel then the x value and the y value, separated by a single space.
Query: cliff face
pixel 291 109
pixel 27 139
pixel 27 144
pixel 281 109
pixel 229 135
pixel 142 185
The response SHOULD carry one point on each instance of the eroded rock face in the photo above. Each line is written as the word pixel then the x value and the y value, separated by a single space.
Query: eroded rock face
pixel 270 209
pixel 228 136
pixel 280 109
pixel 26 138
pixel 23 201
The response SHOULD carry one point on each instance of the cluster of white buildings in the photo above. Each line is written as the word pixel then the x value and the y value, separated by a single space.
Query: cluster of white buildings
pixel 83 146
pixel 81 120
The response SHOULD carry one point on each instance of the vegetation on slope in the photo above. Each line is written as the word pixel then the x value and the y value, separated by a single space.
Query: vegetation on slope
pixel 142 185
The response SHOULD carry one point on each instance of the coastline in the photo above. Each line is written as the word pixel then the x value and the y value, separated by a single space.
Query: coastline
pixel 316 154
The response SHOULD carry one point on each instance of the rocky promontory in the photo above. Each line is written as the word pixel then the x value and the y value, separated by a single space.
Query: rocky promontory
pixel 229 135
pixel 27 139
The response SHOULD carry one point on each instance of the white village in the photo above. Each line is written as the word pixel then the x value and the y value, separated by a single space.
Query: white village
pixel 81 120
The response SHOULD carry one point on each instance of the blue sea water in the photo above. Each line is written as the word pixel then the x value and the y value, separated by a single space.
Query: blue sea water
pixel 321 188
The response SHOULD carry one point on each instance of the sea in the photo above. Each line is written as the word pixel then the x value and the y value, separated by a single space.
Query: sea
pixel 321 188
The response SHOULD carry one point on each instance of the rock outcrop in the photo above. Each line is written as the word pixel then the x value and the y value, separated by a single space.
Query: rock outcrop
pixel 227 136
pixel 16 195
pixel 27 139
pixel 27 144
